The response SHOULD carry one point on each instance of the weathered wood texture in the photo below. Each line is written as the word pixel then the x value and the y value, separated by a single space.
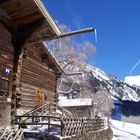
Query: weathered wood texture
pixel 25 12
pixel 29 97
pixel 11 134
pixel 6 61
pixel 25 22
pixel 21 11
pixel 5 118
pixel 44 32
pixel 78 126
pixel 6 50
pixel 36 75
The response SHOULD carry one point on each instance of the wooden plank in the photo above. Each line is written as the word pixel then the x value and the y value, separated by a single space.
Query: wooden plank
pixel 27 106
pixel 22 11
pixel 38 83
pixel 28 86
pixel 29 62
pixel 28 96
pixel 38 70
pixel 44 78
pixel 39 75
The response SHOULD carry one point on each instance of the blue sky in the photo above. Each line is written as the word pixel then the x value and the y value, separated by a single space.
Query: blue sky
pixel 118 27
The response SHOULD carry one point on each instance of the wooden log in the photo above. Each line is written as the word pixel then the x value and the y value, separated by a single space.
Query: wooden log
pixel 32 64
pixel 38 83
pixel 46 77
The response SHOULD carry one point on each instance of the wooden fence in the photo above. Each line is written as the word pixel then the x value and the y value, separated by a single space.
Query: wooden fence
pixel 68 125
pixel 7 134
pixel 77 126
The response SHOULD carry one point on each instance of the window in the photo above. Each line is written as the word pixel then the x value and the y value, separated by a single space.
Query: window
pixel 4 82
pixel 4 86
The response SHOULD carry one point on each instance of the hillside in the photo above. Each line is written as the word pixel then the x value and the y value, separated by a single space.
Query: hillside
pixel 113 85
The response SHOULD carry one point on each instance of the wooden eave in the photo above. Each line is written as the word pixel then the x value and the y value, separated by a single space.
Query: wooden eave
pixel 23 12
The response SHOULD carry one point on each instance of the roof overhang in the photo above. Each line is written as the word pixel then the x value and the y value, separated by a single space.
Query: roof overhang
pixel 48 17
pixel 24 12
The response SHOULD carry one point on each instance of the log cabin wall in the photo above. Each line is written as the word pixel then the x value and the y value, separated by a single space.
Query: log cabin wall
pixel 6 62
pixel 6 51
pixel 36 76
pixel 28 22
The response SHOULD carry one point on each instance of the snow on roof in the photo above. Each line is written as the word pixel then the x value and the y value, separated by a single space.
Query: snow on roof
pixel 64 102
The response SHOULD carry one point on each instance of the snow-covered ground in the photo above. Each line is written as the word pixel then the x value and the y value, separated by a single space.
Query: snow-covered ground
pixel 125 131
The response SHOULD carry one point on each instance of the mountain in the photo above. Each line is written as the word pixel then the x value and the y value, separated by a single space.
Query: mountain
pixel 115 87
pixel 133 80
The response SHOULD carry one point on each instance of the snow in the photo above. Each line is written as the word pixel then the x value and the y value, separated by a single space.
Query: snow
pixel 133 80
pixel 116 101
pixel 64 102
pixel 97 72
pixel 125 131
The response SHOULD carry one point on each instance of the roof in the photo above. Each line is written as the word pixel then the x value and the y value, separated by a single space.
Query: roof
pixel 32 18
pixel 23 12
pixel 64 102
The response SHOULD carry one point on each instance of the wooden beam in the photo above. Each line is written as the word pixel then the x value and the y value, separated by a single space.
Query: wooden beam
pixel 19 40
pixel 23 33
pixel 9 25
pixel 2 1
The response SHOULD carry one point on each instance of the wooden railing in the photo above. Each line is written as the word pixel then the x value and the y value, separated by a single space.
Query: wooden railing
pixel 67 125
pixel 43 115
pixel 46 109
pixel 49 120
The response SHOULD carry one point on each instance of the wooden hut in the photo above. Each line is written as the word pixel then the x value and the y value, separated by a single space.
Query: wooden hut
pixel 79 107
pixel 28 72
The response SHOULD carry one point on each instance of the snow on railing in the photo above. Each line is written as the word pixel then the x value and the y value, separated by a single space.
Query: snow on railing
pixel 66 124
pixel 11 134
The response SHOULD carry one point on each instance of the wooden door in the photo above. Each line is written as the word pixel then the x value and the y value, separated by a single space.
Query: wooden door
pixel 40 97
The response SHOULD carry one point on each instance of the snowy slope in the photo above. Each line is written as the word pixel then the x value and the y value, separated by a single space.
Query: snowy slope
pixel 133 80
pixel 102 80
pixel 116 87
pixel 125 131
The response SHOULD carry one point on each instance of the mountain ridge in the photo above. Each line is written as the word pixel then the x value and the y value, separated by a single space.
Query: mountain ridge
pixel 116 87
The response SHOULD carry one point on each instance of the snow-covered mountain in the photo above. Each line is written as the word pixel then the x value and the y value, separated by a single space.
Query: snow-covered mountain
pixel 113 85
pixel 133 80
